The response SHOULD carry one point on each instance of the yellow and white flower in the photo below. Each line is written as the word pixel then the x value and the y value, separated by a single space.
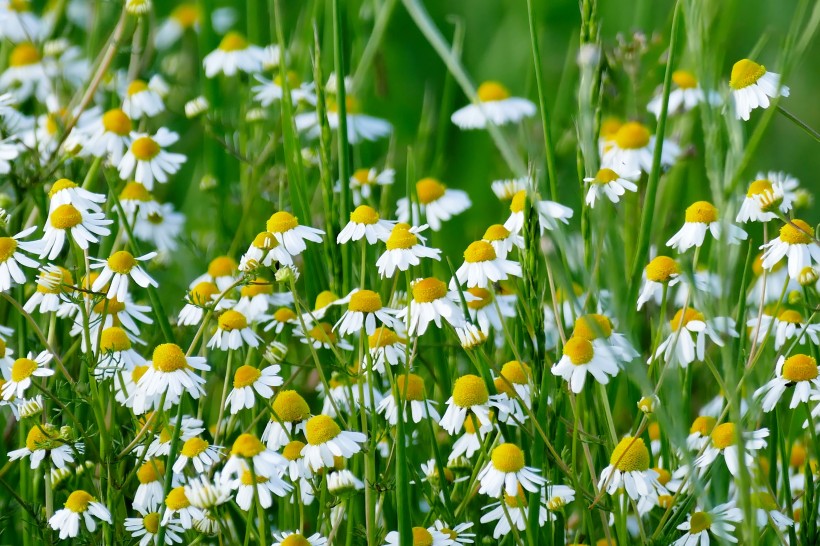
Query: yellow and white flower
pixel 200 296
pixel 233 331
pixel 723 441
pixel 365 223
pixel 661 271
pixel 493 105
pixel 752 87
pixel 18 378
pixel 116 353
pixel 550 213
pixel 264 486
pixel 248 379
pixel 629 469
pixel 470 398
pixel 184 17
pixel 505 190
pixel 46 440
pixel 788 325
pixel 265 250
pixel 117 270
pixel 427 537
pixel 411 391
pixel 580 357
pixel 286 229
pixel 84 226
pixel 170 372
pixel 291 413
pixel 270 91
pixel 798 371
pixel 110 136
pixel 233 55
pixel 297 539
pixel 322 336
pixel 65 191
pixel 489 310
pixel 11 258
pixel 515 509
pixel 19 23
pixel 359 126
pixel 201 454
pixel 456 533
pixel 146 527
pixel 386 346
pixel 765 508
pixel 431 302
pixel 796 243
pixel 685 95
pixel 688 333
pixel 763 197
pixel 222 271
pixel 470 441
pixel 482 266
pixel 436 201
pixel 610 183
pixel 506 472
pixel 147 159
pixel 363 308
pixel 719 521
pixel 326 440
pixel 632 148
pixel 161 228
pixel 502 239
pixel 248 450
pixel 151 476
pixel 598 329
pixel 26 74
pixel 179 509
pixel 79 505
pixel 702 217
pixel 514 387
pixel 362 182
pixel 404 248
pixel 142 99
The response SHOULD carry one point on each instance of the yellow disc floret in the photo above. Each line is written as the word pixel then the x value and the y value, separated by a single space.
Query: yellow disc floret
pixel 632 136
pixel 365 301
pixel 42 437
pixel 470 390
pixel 293 450
pixel 630 455
pixel 233 41
pixel 24 54
pixel 492 91
pixel 479 251
pixel 281 221
pixel 485 298
pixel 579 350
pixel 519 201
pixel 134 191
pixel 78 501
pixel 422 537
pixel 724 435
pixel 222 266
pixel 325 298
pixel 410 386
pixel 145 148
pixel 605 176
pixel 22 368
pixel 662 269
pixel 508 458
pixel 429 189
pixel 7 248
pixel 193 447
pixel 151 522
pixel 66 217
pixel 245 376
pixel 699 522
pixel 151 471
pixel 114 339
pixel 232 320
pixel 496 232
pixel 383 337
pixel 701 212
pixel 364 215
pixel 248 446
pixel 177 499
pixel 116 121
pixel 290 407
pixel 684 79
pixel 681 319
pixel 136 86
pixel 429 289
pixel 203 292
pixel 800 368
pixel 745 73
pixel 321 429
pixel 122 262
pixel 168 357
pixel 295 540
pixel 703 425
pixel 516 372
pixel 592 326
pixel 796 233
pixel 401 238
pixel 759 187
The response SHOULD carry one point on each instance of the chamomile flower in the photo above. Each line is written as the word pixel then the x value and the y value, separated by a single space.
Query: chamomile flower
pixel 502 240
pixel 322 336
pixel 280 318
pixel 661 272
pixel 148 161
pixel 270 91
pixel 700 431
pixel 248 379
pixel 482 266
pixel 343 483
pixel 632 148
pixel 411 390
pixel 685 95
pixel 702 217
pixel 470 336
pixel 116 272
pixel 233 55
pixel 297 539
pixel 287 231
pixel 431 302
pixel 787 326
pixel 404 248
pixel 65 191
pixel 365 223
pixel 689 332
pixel 170 372
pixel 184 17
pixel 200 296
pixel 46 440
pixel 506 472
pixel 580 357
pixel 161 228
pixel 489 310
pixel 265 250
pixel 629 469
pixel 222 271
pixel 796 243
pixel 514 386
pixel 201 454
pixel 386 346
pixel 150 475
pixel 18 378
pixel 550 213
pixel 110 136
pixel 598 329
pixel 116 353
pixel 421 537
pixel 25 74
pixel 515 509
pixel 19 23
pixel 494 105
pixel 207 493
pixel 723 441
pixel 436 201
pixel 610 183
pixel 326 440
pixel 256 298
pixel 290 414
pixel 719 522
pixel 79 505
pixel 179 508
pixel 12 257
pixel 798 371
pixel 249 485
pixel 359 126
pixel 766 508
pixel 505 190
pixel 249 450
pixel 752 87
pixel 146 528
pixel 763 197
pixel 233 331
pixel 142 100
pixel 470 398
pixel 364 307
pixel 362 182
pixel 470 441
pixel 83 226
pixel 106 312
pixel 456 533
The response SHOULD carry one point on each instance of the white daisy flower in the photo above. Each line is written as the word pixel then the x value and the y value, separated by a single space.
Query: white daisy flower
pixel 514 387
pixel 428 537
pixel 11 258
pixel 411 390
pixel 270 91
pixel 506 472
pixel 65 191
pixel 359 126
pixel 161 229
pixel 256 298
pixel 516 510
pixel 199 453
pixel 233 332
pixel 117 269
pixel 222 270
pixel 685 95
pixel 248 379
pixel 752 87
pixel 363 181
pixel 550 214
pixel 78 505
pixel 489 310
pixel 632 148
pixel 795 242
pixel 137 201
pixel 580 357
pixel 265 250
pixel 456 533
pixel 364 307
pixel 765 508
pixel 686 342
pixel 25 74
pixel 19 23
pixel 264 486
pixel 719 521
pixel 470 398
pixel 723 441
pixel 170 372
pixel 470 441
pixel 326 441
pixel 502 240
pixel 180 509
pixel 147 159
pixel 482 266
pixel 494 105
pixel 610 183
pixel 184 17
pixel 287 231
pixel 46 440
pixel 763 197
pixel 296 469
pixel 436 201
pixel 322 336
pixel 787 326
pixel 386 346
pixel 116 353
pixel 233 55
pixel 661 271
pixel 280 318
pixel 109 136
pixel 629 469
pixel 505 190
pixel 702 217
pixel 146 528
pixel 206 493
pixel 798 371
pixel 290 414
pixel 249 450
pixel 404 248
pixel 151 477
pixel 365 223
pixel 297 539
pixel 141 99
pixel 199 297
pixel 598 329
pixel 84 227
pixel 18 378
pixel 343 483
pixel 431 302
pixel 105 313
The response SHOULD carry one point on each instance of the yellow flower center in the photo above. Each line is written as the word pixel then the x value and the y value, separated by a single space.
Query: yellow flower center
pixel 283 314
pixel 700 521
pixel 496 232
pixel 265 240
pixel 800 368
pixel 723 435
pixel 202 293
pixel 680 319
pixel 293 450
pixel 663 475
pixel 632 136
pixel 579 350
pixel 177 499
pixel 484 296
pixel 479 251
pixel 7 248
pixel 323 332
pixel 800 235
pixel 22 369
pixel 684 79
pixel 630 455
pixel 187 15
pixel 605 176
pixel 256 289
pixel 759 187
pixel 411 386
pixel 519 201
pixel 325 298
pixel 516 501
pixel 662 269
pixel 117 122
pixel 42 437
pixel 508 458
pixel 137 86
pixel 703 425
pixel 364 215
pixel 422 537
pixel 66 217
pixel 137 373
pixel 745 73
pixel 383 337
pixel 281 221
pixel 362 176
pixel 470 390
pixel 245 376
pixel 290 407
pixel 701 212
pixel 429 189
pixel 61 184
pixel 429 289
pixel 291 77
pixel 365 301
pixel 151 522
pixel 2 348
pixel 492 91
pixel 168 357
pixel 145 148
pixel 193 447
pixel 109 307
pixel 78 501
pixel 20 6
pixel 114 339
pixel 592 326
pixel 233 41
pixel 121 262
pixel 248 446
pixel 295 540
pixel 798 456
pixel 471 421
pixel 609 127
pixel 654 431
pixel 516 372
pixel 351 105
pixel 24 54
pixel 232 320
pixel 134 191
pixel 788 315
pixel 401 237
pixel 321 429
pixel 151 471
